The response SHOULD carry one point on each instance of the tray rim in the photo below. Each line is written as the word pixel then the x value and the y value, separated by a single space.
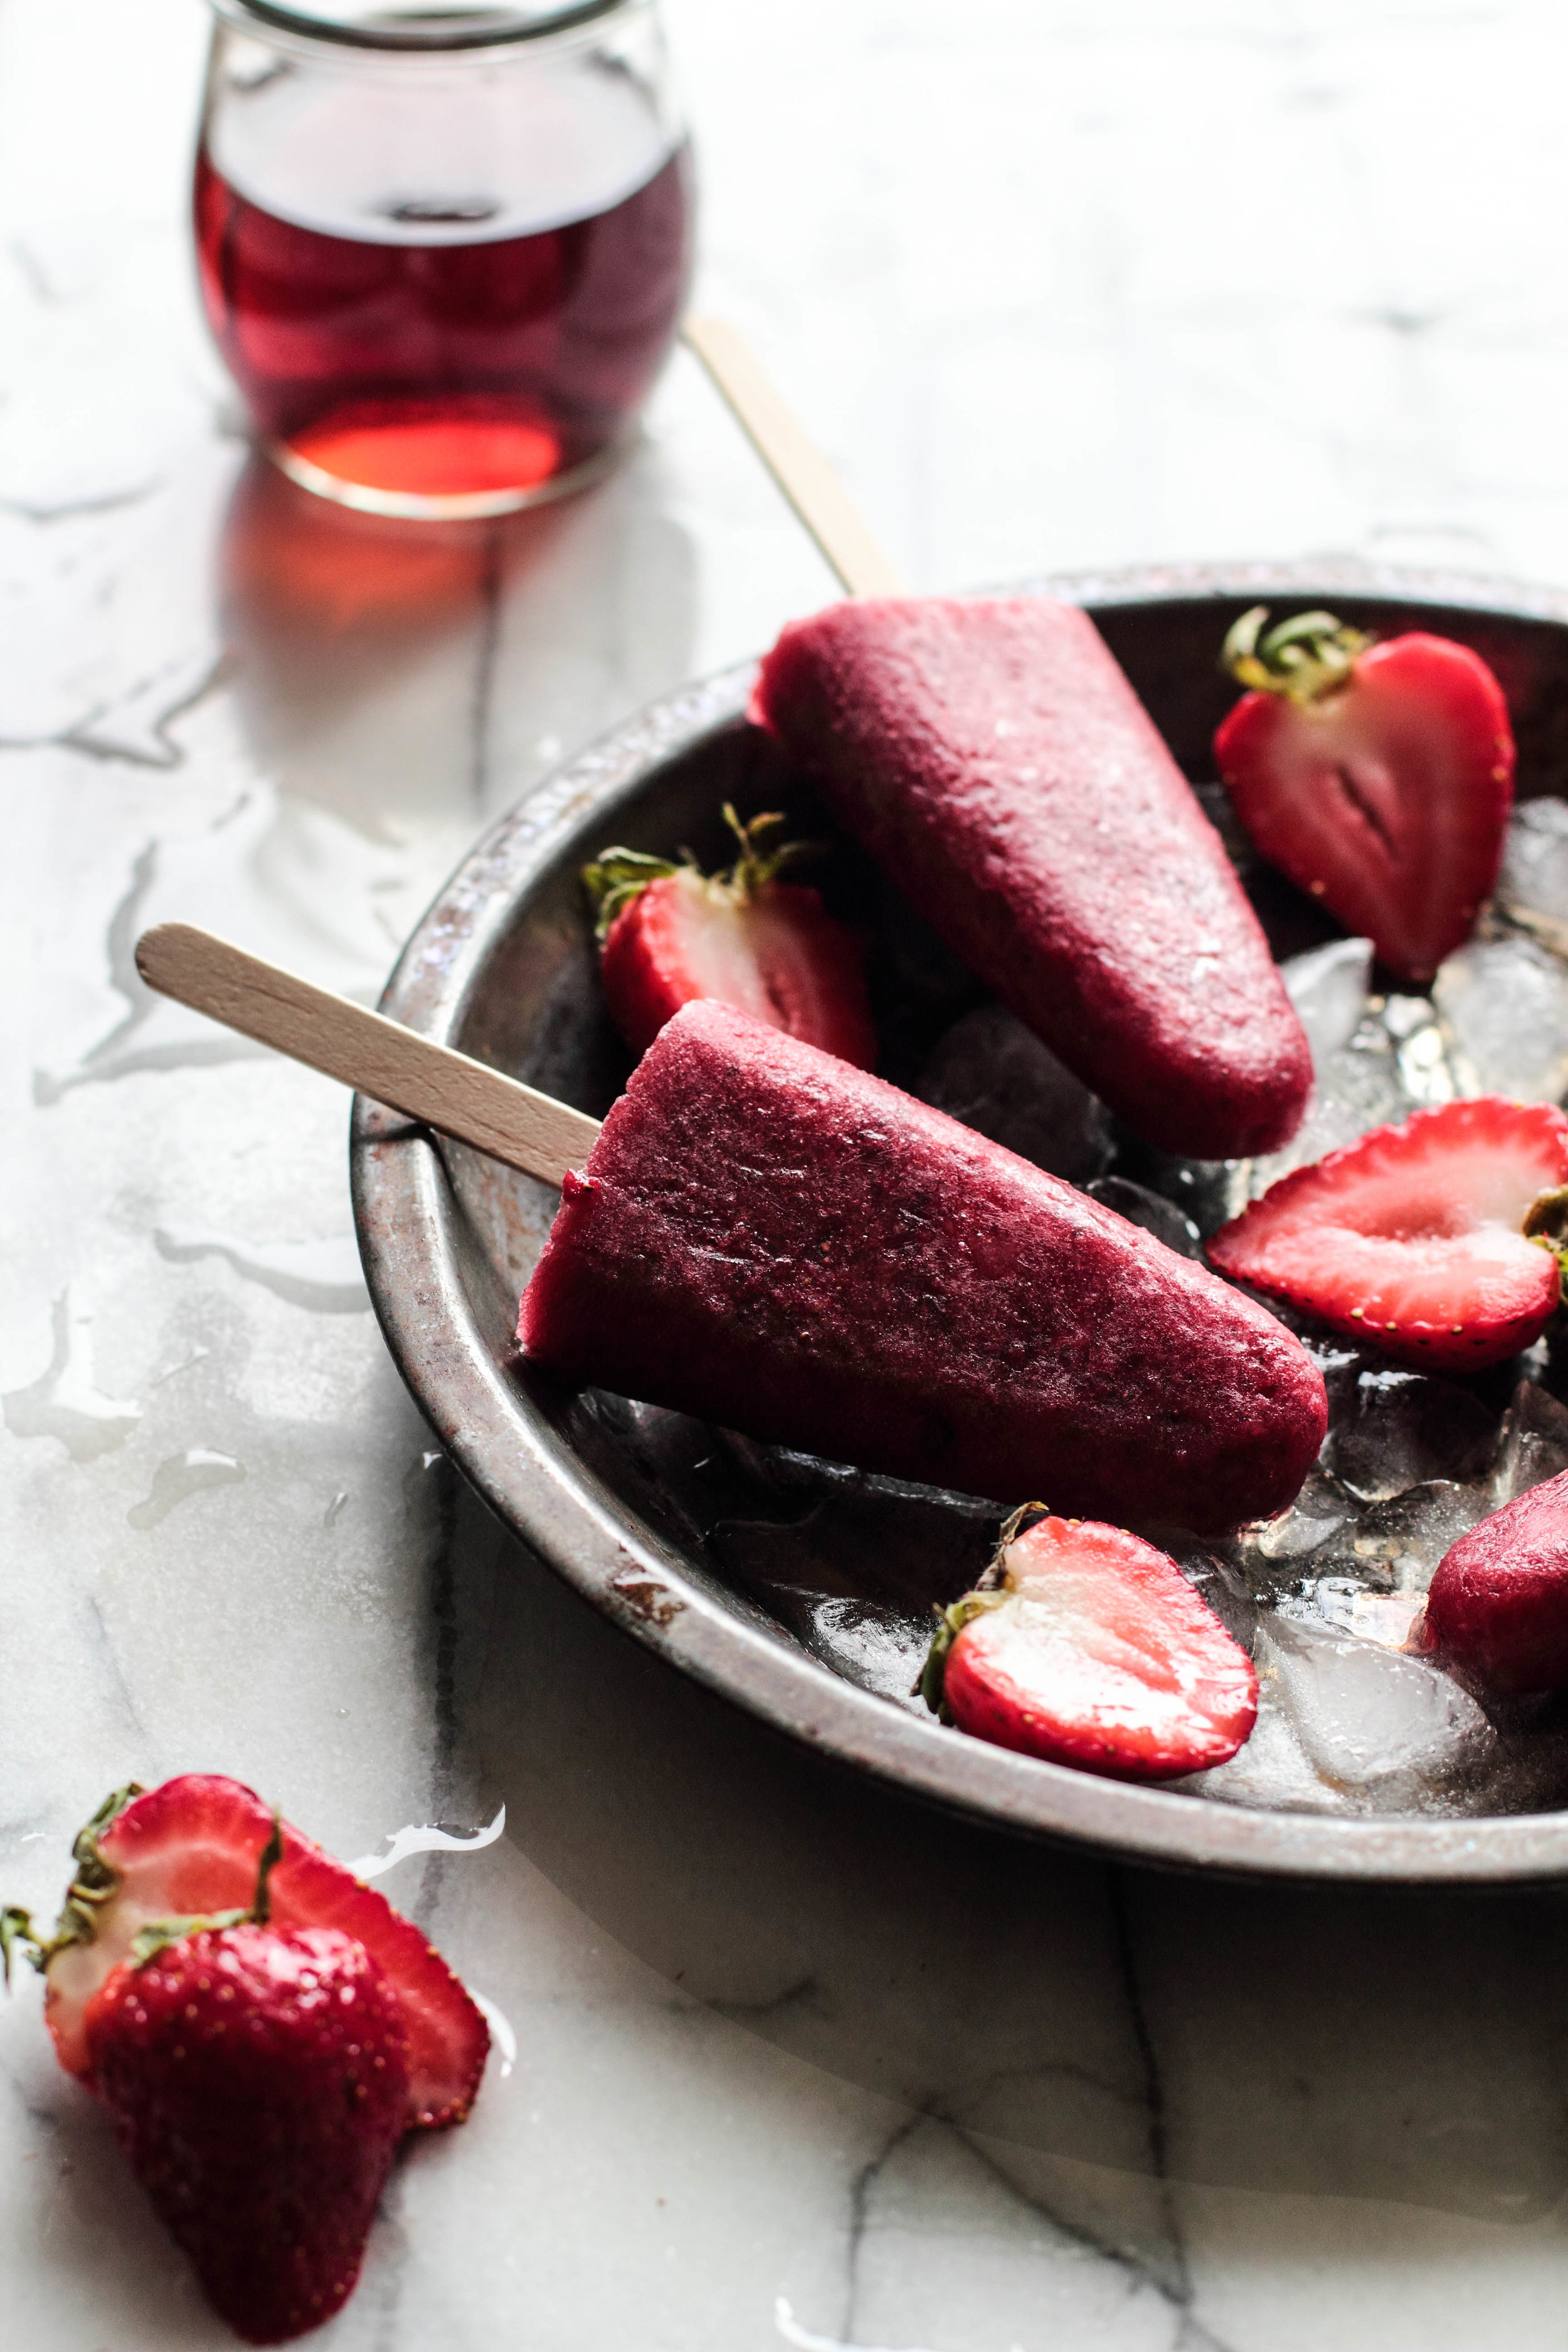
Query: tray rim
pixel 406 1217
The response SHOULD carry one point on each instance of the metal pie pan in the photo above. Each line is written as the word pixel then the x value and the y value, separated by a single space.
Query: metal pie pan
pixel 503 968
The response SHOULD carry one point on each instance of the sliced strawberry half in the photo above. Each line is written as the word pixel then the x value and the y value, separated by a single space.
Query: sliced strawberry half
pixel 189 1850
pixel 1435 1241
pixel 1093 1649
pixel 1379 778
pixel 1498 1602
pixel 672 934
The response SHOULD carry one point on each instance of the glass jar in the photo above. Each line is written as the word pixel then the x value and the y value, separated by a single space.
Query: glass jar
pixel 443 251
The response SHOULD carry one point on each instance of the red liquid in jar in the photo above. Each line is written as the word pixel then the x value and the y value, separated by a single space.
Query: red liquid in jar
pixel 444 370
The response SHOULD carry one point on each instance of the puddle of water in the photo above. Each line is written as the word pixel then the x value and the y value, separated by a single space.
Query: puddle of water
pixel 64 1403
pixel 324 1276
pixel 431 1838
pixel 181 1476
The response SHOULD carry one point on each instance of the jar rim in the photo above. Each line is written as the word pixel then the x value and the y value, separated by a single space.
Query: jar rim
pixel 429 31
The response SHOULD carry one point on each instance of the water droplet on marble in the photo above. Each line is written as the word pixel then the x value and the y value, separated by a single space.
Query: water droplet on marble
pixel 181 1476
pixel 325 1275
pixel 428 1838
pixel 64 1403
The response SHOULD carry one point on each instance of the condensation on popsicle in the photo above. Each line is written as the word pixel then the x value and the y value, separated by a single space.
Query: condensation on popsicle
pixel 992 755
pixel 782 1244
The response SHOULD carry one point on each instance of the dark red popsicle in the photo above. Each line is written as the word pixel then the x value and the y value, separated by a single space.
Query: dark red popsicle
pixel 1498 1602
pixel 992 755
pixel 780 1243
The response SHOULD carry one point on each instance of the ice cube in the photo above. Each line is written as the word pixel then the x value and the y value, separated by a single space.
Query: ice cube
pixel 1506 1004
pixel 996 1076
pixel 1151 1210
pixel 1420 1051
pixel 1362 1084
pixel 1208 1193
pixel 1533 879
pixel 1387 1728
pixel 1533 1444
pixel 1320 1510
pixel 1395 1429
pixel 876 1647
pixel 875 1549
pixel 1328 987
pixel 1396 1546
pixel 1272 1771
pixel 1345 1604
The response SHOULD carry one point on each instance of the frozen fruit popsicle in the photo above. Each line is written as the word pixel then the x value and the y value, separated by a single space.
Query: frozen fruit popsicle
pixel 1498 1602
pixel 994 758
pixel 770 1238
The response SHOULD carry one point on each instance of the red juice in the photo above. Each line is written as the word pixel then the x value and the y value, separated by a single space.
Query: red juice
pixel 412 361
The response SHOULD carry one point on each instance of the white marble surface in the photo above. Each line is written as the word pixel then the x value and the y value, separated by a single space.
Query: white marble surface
pixel 1056 282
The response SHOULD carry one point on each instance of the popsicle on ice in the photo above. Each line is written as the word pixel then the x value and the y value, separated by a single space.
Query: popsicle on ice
pixel 771 1239
pixel 992 755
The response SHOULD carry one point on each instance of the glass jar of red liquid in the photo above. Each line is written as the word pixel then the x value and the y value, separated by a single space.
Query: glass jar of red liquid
pixel 444 250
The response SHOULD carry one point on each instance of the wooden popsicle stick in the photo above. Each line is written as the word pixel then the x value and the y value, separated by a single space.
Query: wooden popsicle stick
pixel 796 464
pixel 378 1057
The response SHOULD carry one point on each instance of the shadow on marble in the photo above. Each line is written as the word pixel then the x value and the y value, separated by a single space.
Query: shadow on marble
pixel 1042 2005
pixel 377 663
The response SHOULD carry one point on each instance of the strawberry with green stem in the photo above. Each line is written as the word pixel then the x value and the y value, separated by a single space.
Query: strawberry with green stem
pixel 1084 1645
pixel 670 933
pixel 263 2028
pixel 1378 776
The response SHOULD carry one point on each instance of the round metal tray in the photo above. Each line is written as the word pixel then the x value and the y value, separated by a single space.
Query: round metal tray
pixel 503 968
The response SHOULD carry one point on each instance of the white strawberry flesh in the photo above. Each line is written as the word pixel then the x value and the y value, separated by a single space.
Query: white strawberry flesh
pixel 1100 1654
pixel 1413 1238
pixel 190 1849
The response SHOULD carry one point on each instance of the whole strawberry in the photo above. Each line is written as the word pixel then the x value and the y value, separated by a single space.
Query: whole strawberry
pixel 257 2082
pixel 260 2063
pixel 1085 1645
pixel 767 947
pixel 1378 777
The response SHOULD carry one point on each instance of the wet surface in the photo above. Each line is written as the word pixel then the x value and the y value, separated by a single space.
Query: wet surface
pixel 796 2061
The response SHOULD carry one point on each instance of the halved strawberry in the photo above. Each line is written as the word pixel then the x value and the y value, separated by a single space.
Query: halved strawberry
pixel 1434 1241
pixel 1377 777
pixel 672 934
pixel 190 1849
pixel 1498 1602
pixel 1093 1649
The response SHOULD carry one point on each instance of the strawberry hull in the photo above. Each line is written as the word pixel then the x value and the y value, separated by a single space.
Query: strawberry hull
pixel 773 1241
pixel 1498 1602
pixel 994 758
